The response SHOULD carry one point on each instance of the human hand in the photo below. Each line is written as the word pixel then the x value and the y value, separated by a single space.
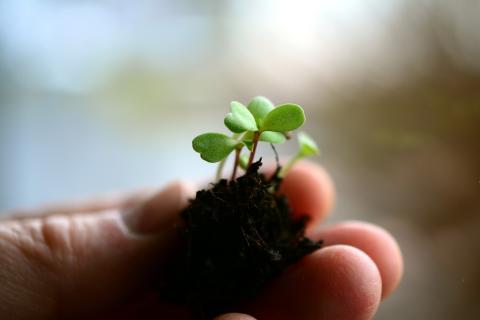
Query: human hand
pixel 97 260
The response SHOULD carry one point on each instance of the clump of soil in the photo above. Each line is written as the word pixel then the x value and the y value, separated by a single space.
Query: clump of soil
pixel 238 235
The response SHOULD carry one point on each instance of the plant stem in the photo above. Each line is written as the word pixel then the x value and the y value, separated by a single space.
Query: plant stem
pixel 277 158
pixel 235 165
pixel 221 164
pixel 218 175
pixel 256 136
pixel 289 165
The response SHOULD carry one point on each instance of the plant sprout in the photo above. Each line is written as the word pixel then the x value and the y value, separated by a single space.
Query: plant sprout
pixel 260 121
pixel 307 148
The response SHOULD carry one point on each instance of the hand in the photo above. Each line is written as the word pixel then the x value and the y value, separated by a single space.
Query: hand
pixel 96 260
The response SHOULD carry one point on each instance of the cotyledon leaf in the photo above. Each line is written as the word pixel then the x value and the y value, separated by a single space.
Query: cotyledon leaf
pixel 214 147
pixel 284 118
pixel 240 119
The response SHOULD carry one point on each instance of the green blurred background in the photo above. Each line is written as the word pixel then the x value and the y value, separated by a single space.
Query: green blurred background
pixel 98 96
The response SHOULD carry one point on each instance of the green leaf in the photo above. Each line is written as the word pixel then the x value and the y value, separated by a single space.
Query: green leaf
pixel 214 147
pixel 248 136
pixel 272 137
pixel 243 161
pixel 260 107
pixel 240 119
pixel 284 118
pixel 248 144
pixel 267 136
pixel 247 140
pixel 308 147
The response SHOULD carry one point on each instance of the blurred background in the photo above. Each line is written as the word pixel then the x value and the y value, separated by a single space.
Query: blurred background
pixel 99 96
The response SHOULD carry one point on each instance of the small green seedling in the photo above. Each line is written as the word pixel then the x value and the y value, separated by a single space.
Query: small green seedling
pixel 255 234
pixel 307 148
pixel 260 121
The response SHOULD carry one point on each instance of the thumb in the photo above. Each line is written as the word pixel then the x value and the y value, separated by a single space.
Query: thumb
pixel 76 264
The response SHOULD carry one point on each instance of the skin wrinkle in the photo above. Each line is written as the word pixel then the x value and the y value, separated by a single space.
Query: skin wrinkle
pixel 25 283
pixel 103 243
pixel 60 243
pixel 60 235
pixel 54 231
pixel 57 243
pixel 100 203
pixel 116 262
pixel 60 247
pixel 32 244
pixel 24 239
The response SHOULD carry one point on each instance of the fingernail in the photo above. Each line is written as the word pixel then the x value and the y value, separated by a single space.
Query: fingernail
pixel 161 211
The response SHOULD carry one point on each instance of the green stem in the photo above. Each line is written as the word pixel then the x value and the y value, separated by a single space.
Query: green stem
pixel 221 164
pixel 220 167
pixel 235 165
pixel 256 136
pixel 283 172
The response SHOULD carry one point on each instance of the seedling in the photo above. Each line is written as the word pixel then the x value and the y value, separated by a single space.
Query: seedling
pixel 240 233
pixel 261 121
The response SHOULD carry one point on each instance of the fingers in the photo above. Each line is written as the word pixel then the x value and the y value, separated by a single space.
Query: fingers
pixel 66 258
pixel 375 242
pixel 310 191
pixel 159 212
pixel 337 282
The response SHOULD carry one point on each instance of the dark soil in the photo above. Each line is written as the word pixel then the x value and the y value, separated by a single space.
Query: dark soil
pixel 237 237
